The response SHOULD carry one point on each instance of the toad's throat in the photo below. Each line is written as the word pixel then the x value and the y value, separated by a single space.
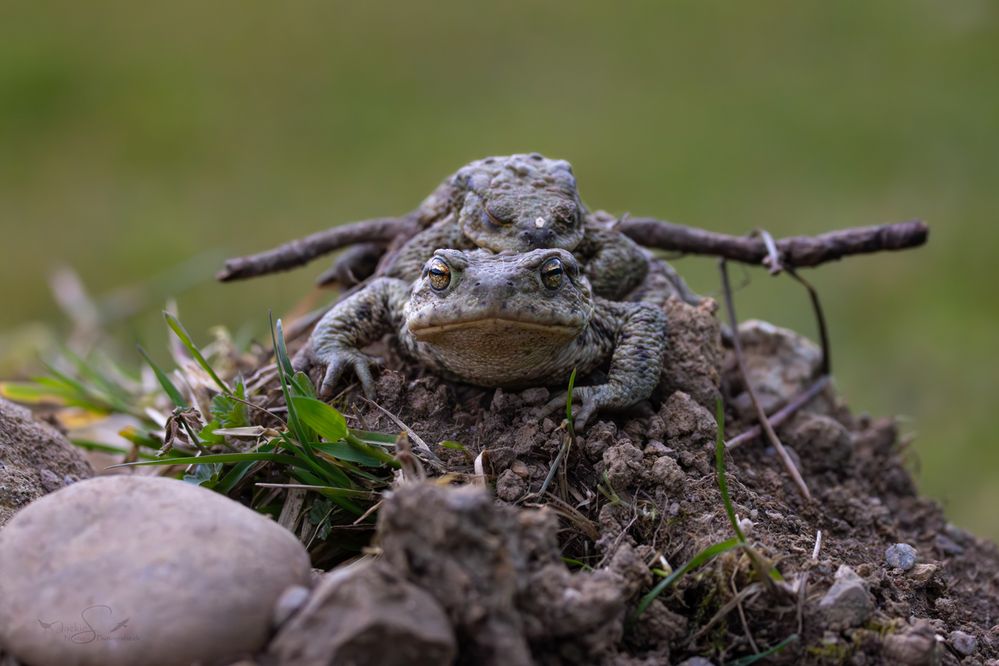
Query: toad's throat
pixel 483 324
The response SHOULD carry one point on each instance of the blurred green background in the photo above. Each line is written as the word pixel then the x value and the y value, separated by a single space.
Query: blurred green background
pixel 135 137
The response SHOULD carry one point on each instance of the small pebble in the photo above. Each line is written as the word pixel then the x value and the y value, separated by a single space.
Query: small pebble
pixel 290 601
pixel 847 603
pixel 901 556
pixel 963 642
pixel 697 661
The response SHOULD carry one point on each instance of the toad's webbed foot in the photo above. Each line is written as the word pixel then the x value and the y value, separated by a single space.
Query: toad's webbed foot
pixel 588 400
pixel 336 360
pixel 348 327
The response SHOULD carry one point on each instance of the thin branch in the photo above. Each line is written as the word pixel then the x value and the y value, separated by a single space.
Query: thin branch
pixel 795 251
pixel 783 414
pixel 303 250
pixel 764 422
pixel 820 317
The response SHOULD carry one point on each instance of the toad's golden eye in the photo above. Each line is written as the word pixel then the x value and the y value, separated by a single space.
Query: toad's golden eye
pixel 440 274
pixel 551 273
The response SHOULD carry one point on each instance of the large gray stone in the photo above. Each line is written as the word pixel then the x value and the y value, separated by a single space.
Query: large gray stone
pixel 775 382
pixel 34 459
pixel 129 569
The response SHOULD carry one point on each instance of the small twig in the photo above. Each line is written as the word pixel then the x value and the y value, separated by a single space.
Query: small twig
pixel 303 250
pixel 795 251
pixel 479 466
pixel 772 260
pixel 802 595
pixel 820 318
pixel 555 465
pixel 372 509
pixel 753 589
pixel 742 613
pixel 617 542
pixel 783 414
pixel 761 415
pixel 319 526
pixel 818 545
pixel 432 458
pixel 571 513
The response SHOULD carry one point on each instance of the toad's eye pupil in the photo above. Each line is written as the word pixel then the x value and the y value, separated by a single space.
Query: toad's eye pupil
pixel 440 275
pixel 551 273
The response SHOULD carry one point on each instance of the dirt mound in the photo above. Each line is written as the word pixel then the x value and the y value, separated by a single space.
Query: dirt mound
pixel 638 493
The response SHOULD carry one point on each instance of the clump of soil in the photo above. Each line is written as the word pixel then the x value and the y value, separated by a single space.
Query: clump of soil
pixel 638 492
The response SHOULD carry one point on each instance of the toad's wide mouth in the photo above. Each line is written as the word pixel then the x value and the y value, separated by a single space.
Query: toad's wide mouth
pixel 424 330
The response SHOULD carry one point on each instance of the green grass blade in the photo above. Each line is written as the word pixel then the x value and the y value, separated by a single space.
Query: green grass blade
pixel 234 476
pixel 84 395
pixel 720 469
pixel 343 451
pixel 185 338
pixel 281 352
pixel 303 385
pixel 164 380
pixel 380 438
pixel 696 561
pixel 374 451
pixel 108 448
pixel 294 422
pixel 310 479
pixel 329 491
pixel 31 393
pixel 568 398
pixel 87 370
pixel 251 456
pixel 325 420
pixel 753 658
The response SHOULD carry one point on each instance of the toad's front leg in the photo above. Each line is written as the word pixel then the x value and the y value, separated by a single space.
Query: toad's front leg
pixel 350 325
pixel 636 334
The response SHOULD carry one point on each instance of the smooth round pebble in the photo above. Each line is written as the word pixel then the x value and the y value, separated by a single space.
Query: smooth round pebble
pixel 139 569
pixel 901 556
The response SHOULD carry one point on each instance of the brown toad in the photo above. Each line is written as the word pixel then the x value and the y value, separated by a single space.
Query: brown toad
pixel 500 320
